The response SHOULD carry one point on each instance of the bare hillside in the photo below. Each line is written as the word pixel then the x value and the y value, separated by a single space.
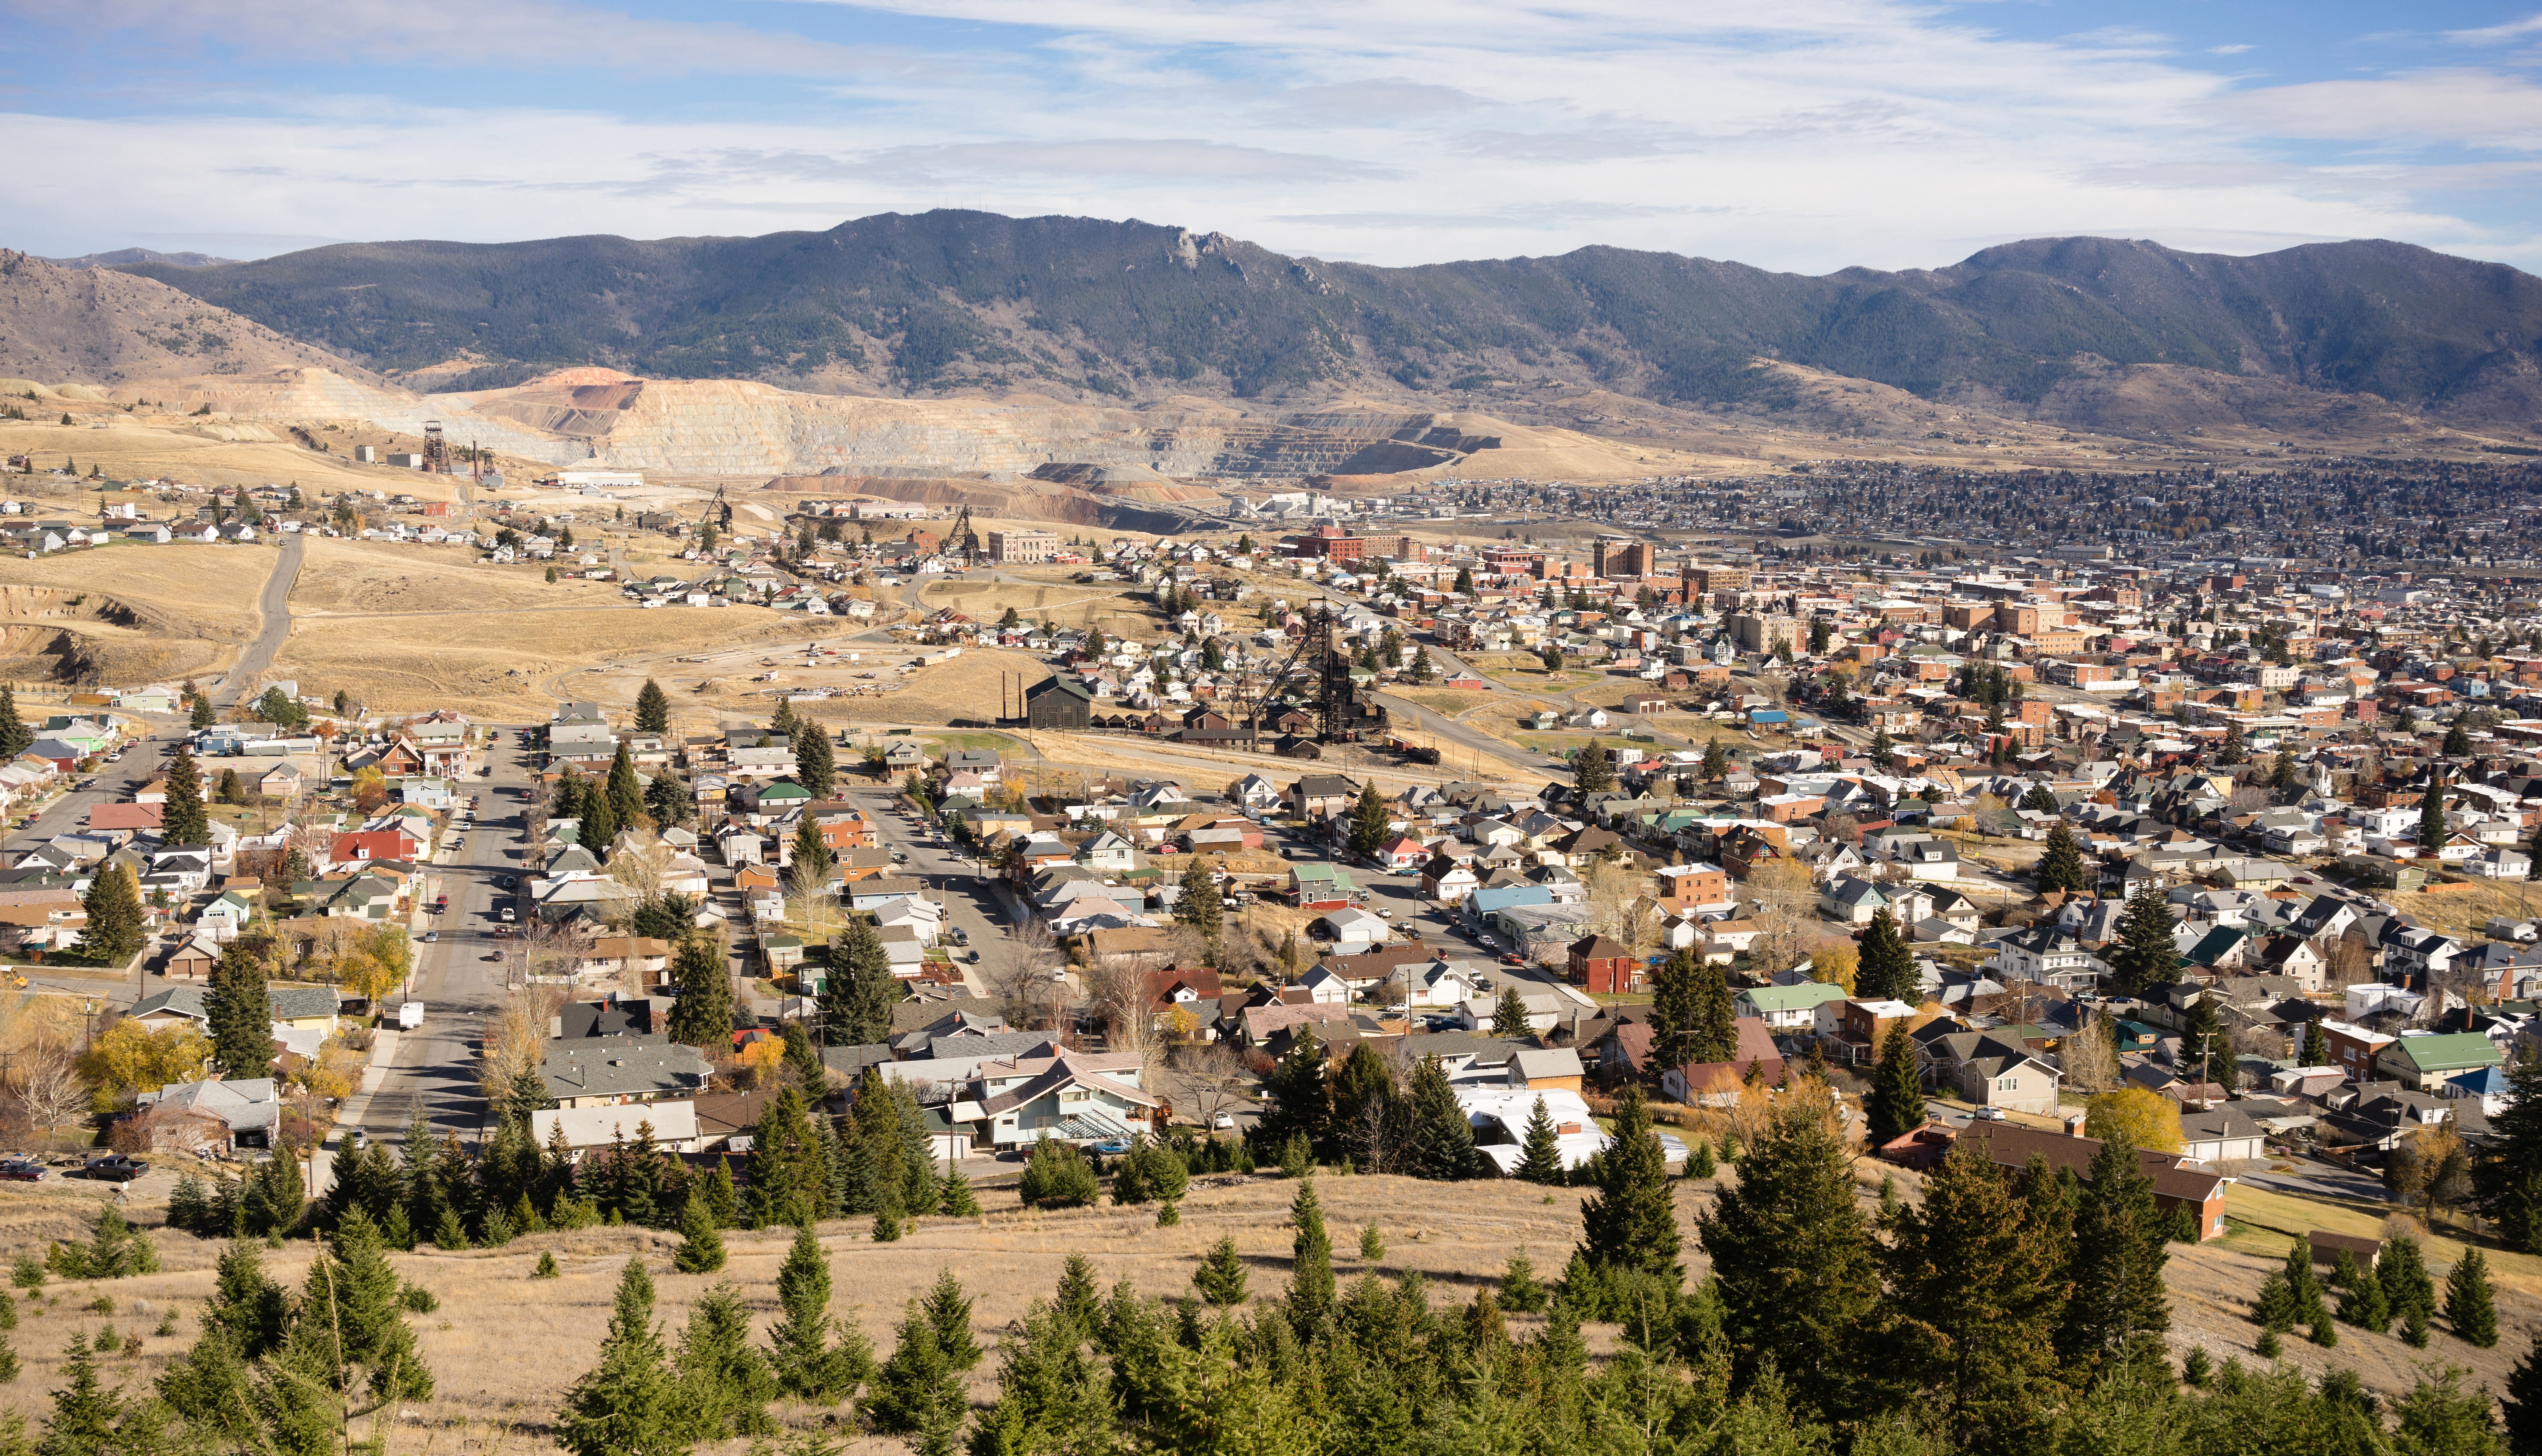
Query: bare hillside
pixel 98 327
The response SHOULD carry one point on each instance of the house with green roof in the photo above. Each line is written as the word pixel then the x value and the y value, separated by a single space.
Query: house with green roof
pixel 1787 1008
pixel 1319 886
pixel 2423 1063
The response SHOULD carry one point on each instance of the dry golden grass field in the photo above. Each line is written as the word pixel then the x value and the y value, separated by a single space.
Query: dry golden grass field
pixel 1107 606
pixel 510 666
pixel 341 576
pixel 150 446
pixel 503 1346
pixel 135 613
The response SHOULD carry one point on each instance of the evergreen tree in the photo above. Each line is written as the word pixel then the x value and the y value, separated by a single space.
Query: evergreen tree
pixel 114 933
pixel 2521 1401
pixel 920 1391
pixel 1439 1141
pixel 2062 867
pixel 1883 752
pixel 1676 1006
pixel 2360 1296
pixel 652 708
pixel 16 737
pixel 1717 762
pixel 238 1016
pixel 816 766
pixel 1509 1013
pixel 1895 1105
pixel 597 823
pixel 2233 750
pixel 181 820
pixel 1631 1223
pixel 1543 1160
pixel 1977 1283
pixel 1715 1033
pixel 1200 907
pixel 1793 1259
pixel 1368 824
pixel 724 1384
pixel 807 1362
pixel 857 1000
pixel 702 1017
pixel 625 790
pixel 1592 772
pixel 812 858
pixel 199 718
pixel 2207 1049
pixel 1057 1176
pixel 1222 1273
pixel 2316 1044
pixel 85 1412
pixel 630 1403
pixel 2469 1307
pixel 1886 970
pixel 2145 957
pixel 701 1248
pixel 2403 1269
pixel 2282 771
pixel 1301 1105
pixel 2120 1249
pixel 2432 813
pixel 2509 1182
pixel 1310 1268
pixel 954 1199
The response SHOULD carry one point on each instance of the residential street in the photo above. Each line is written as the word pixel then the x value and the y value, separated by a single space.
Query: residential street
pixel 453 977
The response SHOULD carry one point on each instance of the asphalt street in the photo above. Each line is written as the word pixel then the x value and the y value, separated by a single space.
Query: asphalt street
pixel 463 976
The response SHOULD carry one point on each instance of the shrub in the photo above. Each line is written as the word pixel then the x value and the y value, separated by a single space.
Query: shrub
pixel 1058 1177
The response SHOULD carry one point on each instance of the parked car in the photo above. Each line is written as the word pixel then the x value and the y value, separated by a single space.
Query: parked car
pixel 430 937
pixel 1988 1115
pixel 1223 1121
pixel 1113 1146
pixel 114 1168
pixel 23 1170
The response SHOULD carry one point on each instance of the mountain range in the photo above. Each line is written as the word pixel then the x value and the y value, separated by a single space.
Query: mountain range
pixel 951 301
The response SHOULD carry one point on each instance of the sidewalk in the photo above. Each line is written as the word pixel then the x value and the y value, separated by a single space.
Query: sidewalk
pixel 350 1112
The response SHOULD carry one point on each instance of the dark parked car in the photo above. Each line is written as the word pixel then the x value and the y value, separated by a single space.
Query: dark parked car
pixel 115 1167
pixel 21 1170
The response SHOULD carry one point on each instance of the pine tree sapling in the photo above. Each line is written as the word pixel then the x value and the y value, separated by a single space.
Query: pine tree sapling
pixel 701 1248
pixel 1222 1275
pixel 2469 1306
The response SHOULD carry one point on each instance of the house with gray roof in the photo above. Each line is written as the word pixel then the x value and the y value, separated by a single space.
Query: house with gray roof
pixel 215 1114
pixel 607 1069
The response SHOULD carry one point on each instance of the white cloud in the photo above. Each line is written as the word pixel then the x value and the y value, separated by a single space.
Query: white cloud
pixel 2468 107
pixel 2531 25
pixel 536 34
pixel 1808 135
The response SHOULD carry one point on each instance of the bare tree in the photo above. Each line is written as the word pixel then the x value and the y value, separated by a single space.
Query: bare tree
pixel 1216 1074
pixel 2351 963
pixel 2089 1057
pixel 639 864
pixel 516 1038
pixel 1117 991
pixel 51 1090
pixel 1019 975
pixel 1618 910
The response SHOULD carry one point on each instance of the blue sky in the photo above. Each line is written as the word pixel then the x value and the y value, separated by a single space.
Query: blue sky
pixel 1804 134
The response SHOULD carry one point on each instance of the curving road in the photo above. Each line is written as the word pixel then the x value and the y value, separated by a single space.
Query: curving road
pixel 273 613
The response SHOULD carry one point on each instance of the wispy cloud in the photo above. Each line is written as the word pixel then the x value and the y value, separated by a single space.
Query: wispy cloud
pixel 533 35
pixel 1810 134
pixel 2531 25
